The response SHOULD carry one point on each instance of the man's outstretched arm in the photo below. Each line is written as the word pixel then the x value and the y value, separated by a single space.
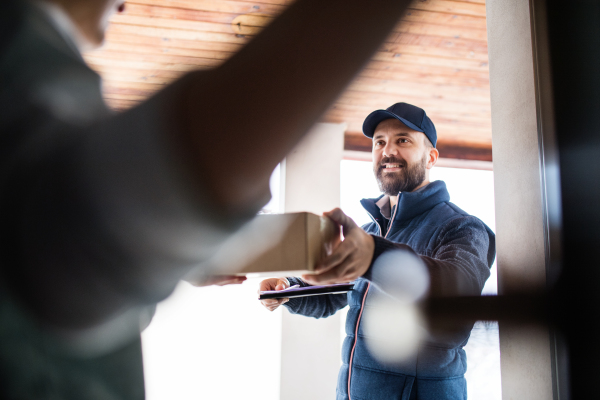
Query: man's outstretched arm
pixel 310 306
pixel 459 266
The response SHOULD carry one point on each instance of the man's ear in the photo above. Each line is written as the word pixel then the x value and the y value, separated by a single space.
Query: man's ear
pixel 434 154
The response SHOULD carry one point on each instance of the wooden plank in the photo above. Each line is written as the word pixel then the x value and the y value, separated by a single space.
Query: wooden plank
pixel 408 76
pixel 131 34
pixel 433 17
pixel 224 6
pixel 289 2
pixel 351 102
pixel 121 105
pixel 171 23
pixel 448 121
pixel 425 101
pixel 275 2
pixel 475 94
pixel 157 59
pixel 476 137
pixel 183 26
pixel 446 117
pixel 475 8
pixel 143 65
pixel 157 46
pixel 431 51
pixel 170 60
pixel 455 115
pixel 451 47
pixel 435 58
pixel 411 15
pixel 456 63
pixel 450 7
pixel 447 149
pixel 458 115
pixel 182 33
pixel 133 87
pixel 422 28
pixel 131 97
pixel 177 13
pixel 112 77
pixel 469 137
pixel 449 133
pixel 481 74
pixel 474 1
pixel 463 132
pixel 351 96
pixel 165 51
pixel 464 127
pixel 461 7
pixel 416 44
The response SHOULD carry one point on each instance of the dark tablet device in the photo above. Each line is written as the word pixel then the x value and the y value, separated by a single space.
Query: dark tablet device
pixel 306 291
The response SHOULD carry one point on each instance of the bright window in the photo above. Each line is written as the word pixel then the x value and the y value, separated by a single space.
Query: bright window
pixel 214 342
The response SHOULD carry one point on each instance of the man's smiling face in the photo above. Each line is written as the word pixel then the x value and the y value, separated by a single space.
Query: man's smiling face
pixel 401 157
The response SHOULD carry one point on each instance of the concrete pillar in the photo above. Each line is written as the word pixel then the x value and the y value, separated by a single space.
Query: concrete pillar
pixel 519 194
pixel 310 348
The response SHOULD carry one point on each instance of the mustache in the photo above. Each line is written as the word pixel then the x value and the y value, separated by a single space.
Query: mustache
pixel 392 160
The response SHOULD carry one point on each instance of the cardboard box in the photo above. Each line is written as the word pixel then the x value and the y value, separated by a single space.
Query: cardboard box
pixel 304 239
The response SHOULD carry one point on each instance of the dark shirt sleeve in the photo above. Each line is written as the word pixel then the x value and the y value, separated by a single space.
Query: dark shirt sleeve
pixel 460 262
pixel 99 214
pixel 315 306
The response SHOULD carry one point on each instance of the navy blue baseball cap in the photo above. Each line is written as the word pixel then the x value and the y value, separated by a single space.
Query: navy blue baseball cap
pixel 411 116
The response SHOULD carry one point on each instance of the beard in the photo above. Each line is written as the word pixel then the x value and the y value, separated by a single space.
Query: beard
pixel 406 180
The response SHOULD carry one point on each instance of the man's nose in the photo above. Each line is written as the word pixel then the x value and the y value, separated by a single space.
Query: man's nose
pixel 390 149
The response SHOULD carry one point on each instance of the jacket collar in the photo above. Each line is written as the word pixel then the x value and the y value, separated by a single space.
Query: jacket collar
pixel 56 27
pixel 411 204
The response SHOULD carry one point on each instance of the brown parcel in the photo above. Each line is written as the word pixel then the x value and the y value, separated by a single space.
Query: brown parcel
pixel 306 239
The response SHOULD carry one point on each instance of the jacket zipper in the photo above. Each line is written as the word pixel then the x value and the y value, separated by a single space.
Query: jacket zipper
pixel 391 223
pixel 374 220
pixel 362 306
pixel 356 338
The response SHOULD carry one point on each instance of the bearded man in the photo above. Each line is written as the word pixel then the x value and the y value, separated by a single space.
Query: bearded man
pixel 414 216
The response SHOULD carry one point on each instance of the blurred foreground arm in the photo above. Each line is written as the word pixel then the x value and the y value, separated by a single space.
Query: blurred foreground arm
pixel 102 218
pixel 270 93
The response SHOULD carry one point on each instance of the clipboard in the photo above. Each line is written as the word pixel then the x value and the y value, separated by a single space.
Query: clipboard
pixel 292 292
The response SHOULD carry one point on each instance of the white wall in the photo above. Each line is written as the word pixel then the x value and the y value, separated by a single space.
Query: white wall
pixel 525 352
pixel 310 348
pixel 213 343
pixel 220 343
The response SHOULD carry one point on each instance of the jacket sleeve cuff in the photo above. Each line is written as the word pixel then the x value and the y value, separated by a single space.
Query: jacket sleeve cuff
pixel 295 302
pixel 381 246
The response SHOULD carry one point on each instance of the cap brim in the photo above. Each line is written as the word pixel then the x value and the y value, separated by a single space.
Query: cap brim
pixel 376 117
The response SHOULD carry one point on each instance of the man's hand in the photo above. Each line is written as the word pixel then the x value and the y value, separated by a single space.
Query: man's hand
pixel 219 280
pixel 274 284
pixel 350 259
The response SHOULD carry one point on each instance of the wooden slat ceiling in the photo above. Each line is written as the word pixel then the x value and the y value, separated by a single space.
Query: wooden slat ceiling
pixel 436 58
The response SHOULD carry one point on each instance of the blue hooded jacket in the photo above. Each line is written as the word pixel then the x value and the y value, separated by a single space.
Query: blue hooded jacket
pixel 458 251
